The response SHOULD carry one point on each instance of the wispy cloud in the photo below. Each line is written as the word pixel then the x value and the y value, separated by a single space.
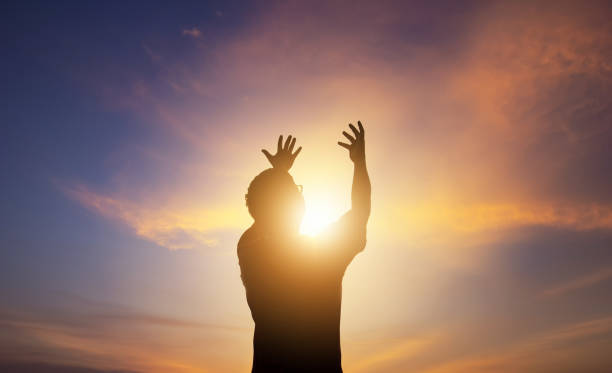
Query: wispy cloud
pixel 193 32
pixel 579 283
pixel 171 228
pixel 468 349
pixel 393 350
pixel 494 216
pixel 31 367
pixel 574 347
pixel 154 56
pixel 107 337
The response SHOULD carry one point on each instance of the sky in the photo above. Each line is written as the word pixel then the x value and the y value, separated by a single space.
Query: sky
pixel 130 132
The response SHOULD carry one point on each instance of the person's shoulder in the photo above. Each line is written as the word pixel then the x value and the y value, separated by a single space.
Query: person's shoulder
pixel 347 231
pixel 247 239
pixel 337 228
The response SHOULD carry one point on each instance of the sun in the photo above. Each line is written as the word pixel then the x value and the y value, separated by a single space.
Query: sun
pixel 319 214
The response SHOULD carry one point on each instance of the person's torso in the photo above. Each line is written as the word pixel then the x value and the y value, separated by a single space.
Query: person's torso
pixel 295 304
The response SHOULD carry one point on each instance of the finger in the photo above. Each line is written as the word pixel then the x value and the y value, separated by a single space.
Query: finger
pixel 361 130
pixel 297 152
pixel 280 144
pixel 292 145
pixel 351 138
pixel 287 142
pixel 267 154
pixel 354 130
pixel 344 145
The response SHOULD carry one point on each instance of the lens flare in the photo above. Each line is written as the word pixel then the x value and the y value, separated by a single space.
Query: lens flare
pixel 319 214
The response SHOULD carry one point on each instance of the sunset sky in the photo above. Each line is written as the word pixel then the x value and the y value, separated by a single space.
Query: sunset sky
pixel 130 132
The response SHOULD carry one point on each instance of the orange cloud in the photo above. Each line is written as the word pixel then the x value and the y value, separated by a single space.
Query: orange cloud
pixel 166 226
pixel 490 216
pixel 571 348
pixel 390 351
pixel 118 338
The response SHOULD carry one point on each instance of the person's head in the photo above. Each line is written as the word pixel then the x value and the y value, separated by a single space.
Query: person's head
pixel 275 201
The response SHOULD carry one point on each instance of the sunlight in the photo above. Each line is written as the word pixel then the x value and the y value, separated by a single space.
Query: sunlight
pixel 319 214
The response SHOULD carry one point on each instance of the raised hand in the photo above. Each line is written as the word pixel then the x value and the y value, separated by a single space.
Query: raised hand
pixel 284 157
pixel 357 146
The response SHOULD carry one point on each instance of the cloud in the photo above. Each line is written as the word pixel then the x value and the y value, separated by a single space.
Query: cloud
pixel 154 56
pixel 579 283
pixel 488 216
pixel 29 367
pixel 108 337
pixel 500 119
pixel 171 228
pixel 193 32
pixel 574 347
pixel 393 350
pixel 579 345
pixel 538 83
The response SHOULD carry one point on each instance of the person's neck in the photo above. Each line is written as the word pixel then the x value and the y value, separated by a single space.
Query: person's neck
pixel 274 231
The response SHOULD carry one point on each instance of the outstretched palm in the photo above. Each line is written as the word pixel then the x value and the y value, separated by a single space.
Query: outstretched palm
pixel 284 157
pixel 357 146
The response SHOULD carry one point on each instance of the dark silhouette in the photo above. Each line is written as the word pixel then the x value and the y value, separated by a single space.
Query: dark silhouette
pixel 294 283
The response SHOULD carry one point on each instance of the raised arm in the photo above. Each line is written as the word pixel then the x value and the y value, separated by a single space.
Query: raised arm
pixel 362 190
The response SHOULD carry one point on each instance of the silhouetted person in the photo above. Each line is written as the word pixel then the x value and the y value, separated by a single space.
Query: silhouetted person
pixel 294 283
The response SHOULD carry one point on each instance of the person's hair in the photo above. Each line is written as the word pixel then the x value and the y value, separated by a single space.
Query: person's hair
pixel 267 191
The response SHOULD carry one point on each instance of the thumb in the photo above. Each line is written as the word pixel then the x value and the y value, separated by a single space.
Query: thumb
pixel 267 154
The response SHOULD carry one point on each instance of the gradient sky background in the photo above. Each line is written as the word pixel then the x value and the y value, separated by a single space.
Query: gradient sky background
pixel 131 131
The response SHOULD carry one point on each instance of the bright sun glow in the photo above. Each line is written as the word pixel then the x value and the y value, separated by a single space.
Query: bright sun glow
pixel 318 215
